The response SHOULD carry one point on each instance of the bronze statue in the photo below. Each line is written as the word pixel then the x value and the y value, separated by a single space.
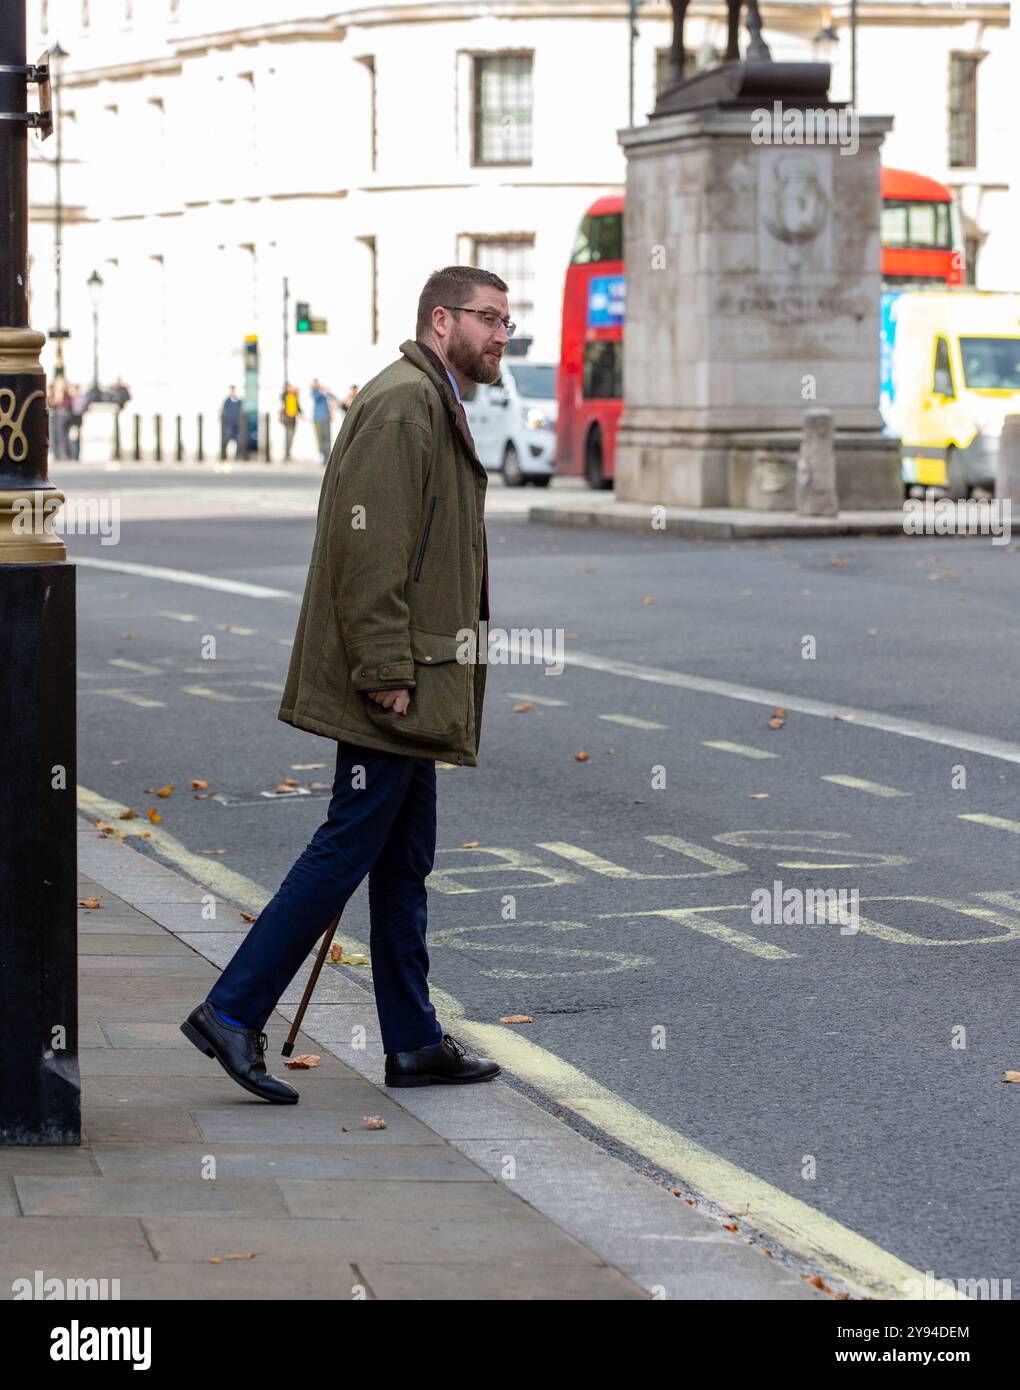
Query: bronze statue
pixel 757 49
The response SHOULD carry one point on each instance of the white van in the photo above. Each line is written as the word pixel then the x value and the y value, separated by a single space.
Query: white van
pixel 513 422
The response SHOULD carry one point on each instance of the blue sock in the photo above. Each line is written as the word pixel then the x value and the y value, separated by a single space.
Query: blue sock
pixel 229 1019
pixel 428 1046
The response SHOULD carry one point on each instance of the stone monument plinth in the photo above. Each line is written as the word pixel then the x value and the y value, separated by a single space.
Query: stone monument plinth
pixel 752 253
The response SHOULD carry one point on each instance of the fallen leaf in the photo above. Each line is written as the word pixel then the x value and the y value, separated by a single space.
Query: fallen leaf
pixel 89 902
pixel 246 917
pixel 145 834
pixel 356 960
pixel 524 705
pixel 588 569
pixel 729 1226
pixel 239 1255
pixel 1011 1076
pixel 304 1061
pixel 127 815
pixel 202 796
pixel 163 791
pixel 284 787
pixel 336 950
pixel 942 574
pixel 105 829
pixel 291 781
pixel 469 844
pixel 212 851
pixel 306 767
pixel 759 796
pixel 777 723
pixel 215 1260
pixel 649 598
pixel 154 815
pixel 197 784
pixel 517 1018
pixel 373 1122
pixel 581 757
pixel 779 712
pixel 118 762
pixel 639 803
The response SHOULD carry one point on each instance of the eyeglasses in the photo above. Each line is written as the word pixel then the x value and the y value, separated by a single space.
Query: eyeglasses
pixel 487 316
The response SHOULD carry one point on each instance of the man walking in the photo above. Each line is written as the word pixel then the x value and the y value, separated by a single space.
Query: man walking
pixel 398 576
pixel 290 409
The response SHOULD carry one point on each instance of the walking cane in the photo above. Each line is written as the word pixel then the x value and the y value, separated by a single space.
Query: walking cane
pixel 295 1027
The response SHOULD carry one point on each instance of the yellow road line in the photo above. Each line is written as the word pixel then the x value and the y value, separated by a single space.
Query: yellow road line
pixel 860 784
pixel 997 822
pixel 865 1267
pixel 743 749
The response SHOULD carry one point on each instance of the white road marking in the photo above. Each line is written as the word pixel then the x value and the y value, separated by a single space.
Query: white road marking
pixel 997 822
pixel 743 749
pixel 861 784
pixel 201 581
pixel 632 721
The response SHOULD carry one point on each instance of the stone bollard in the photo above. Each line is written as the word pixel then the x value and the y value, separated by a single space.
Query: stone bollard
pixel 1007 475
pixel 816 466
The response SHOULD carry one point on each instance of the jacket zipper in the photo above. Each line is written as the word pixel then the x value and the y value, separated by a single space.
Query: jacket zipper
pixel 424 539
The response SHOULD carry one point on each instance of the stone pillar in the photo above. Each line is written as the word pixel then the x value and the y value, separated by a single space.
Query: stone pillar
pixel 1007 476
pixel 816 466
pixel 753 283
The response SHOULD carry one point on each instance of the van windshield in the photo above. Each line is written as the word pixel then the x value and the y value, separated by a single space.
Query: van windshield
pixel 991 364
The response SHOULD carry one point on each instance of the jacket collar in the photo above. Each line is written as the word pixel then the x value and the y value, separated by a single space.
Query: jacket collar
pixel 427 361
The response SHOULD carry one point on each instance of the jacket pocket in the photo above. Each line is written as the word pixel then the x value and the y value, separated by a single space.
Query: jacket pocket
pixel 438 709
pixel 425 537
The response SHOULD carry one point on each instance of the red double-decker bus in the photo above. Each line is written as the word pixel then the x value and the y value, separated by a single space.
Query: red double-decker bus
pixel 921 246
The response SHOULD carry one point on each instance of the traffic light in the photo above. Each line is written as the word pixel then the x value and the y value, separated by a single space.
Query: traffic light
pixel 304 318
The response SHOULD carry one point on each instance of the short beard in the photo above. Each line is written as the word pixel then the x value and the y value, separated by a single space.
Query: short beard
pixel 470 361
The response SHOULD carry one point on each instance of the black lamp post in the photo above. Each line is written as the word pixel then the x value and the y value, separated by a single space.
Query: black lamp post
pixel 40 1087
pixel 58 334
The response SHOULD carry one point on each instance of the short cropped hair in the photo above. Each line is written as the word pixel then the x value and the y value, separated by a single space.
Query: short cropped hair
pixel 452 285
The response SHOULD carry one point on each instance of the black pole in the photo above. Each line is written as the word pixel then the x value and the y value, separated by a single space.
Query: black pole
pixel 265 447
pixel 179 454
pixel 116 436
pixel 200 451
pixel 138 439
pixel 158 455
pixel 40 1087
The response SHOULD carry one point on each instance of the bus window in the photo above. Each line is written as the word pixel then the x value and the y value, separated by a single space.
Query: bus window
pixel 603 371
pixel 599 239
pixel 942 382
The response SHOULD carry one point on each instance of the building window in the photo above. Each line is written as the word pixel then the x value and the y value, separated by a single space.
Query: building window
pixel 963 109
pixel 502 109
pixel 513 260
pixel 369 65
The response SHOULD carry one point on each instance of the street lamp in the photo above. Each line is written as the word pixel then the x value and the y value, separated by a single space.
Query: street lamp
pixel 95 284
pixel 58 54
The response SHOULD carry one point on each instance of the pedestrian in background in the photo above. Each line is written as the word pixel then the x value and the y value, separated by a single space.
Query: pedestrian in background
pixel 348 400
pixel 60 406
pixel 232 425
pixel 75 419
pixel 290 409
pixel 322 410
pixel 119 394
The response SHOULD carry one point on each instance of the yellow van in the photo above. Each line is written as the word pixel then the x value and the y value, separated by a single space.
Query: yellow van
pixel 950 374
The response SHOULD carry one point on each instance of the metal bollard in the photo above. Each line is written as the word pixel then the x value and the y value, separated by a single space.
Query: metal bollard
pixel 116 437
pixel 179 452
pixel 158 454
pixel 138 439
pixel 267 456
pixel 200 451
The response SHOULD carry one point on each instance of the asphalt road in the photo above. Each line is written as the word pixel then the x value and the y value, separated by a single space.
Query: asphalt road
pixel 859 1071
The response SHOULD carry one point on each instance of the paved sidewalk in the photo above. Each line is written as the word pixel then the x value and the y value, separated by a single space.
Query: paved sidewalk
pixel 179 1169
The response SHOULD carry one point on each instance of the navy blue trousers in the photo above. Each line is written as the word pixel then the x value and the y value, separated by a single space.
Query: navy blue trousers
pixel 387 830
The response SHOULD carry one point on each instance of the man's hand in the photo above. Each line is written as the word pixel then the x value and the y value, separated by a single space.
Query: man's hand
pixel 397 700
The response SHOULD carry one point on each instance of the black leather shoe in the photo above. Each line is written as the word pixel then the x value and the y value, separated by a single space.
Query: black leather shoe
pixel 450 1064
pixel 240 1052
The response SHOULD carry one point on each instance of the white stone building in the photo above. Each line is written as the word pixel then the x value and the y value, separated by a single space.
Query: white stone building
pixel 212 149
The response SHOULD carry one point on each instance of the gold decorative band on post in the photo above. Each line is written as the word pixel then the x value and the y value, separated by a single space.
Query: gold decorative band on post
pixel 19 350
pixel 26 527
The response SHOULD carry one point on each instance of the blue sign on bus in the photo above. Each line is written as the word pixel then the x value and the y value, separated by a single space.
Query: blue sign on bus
pixel 605 301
